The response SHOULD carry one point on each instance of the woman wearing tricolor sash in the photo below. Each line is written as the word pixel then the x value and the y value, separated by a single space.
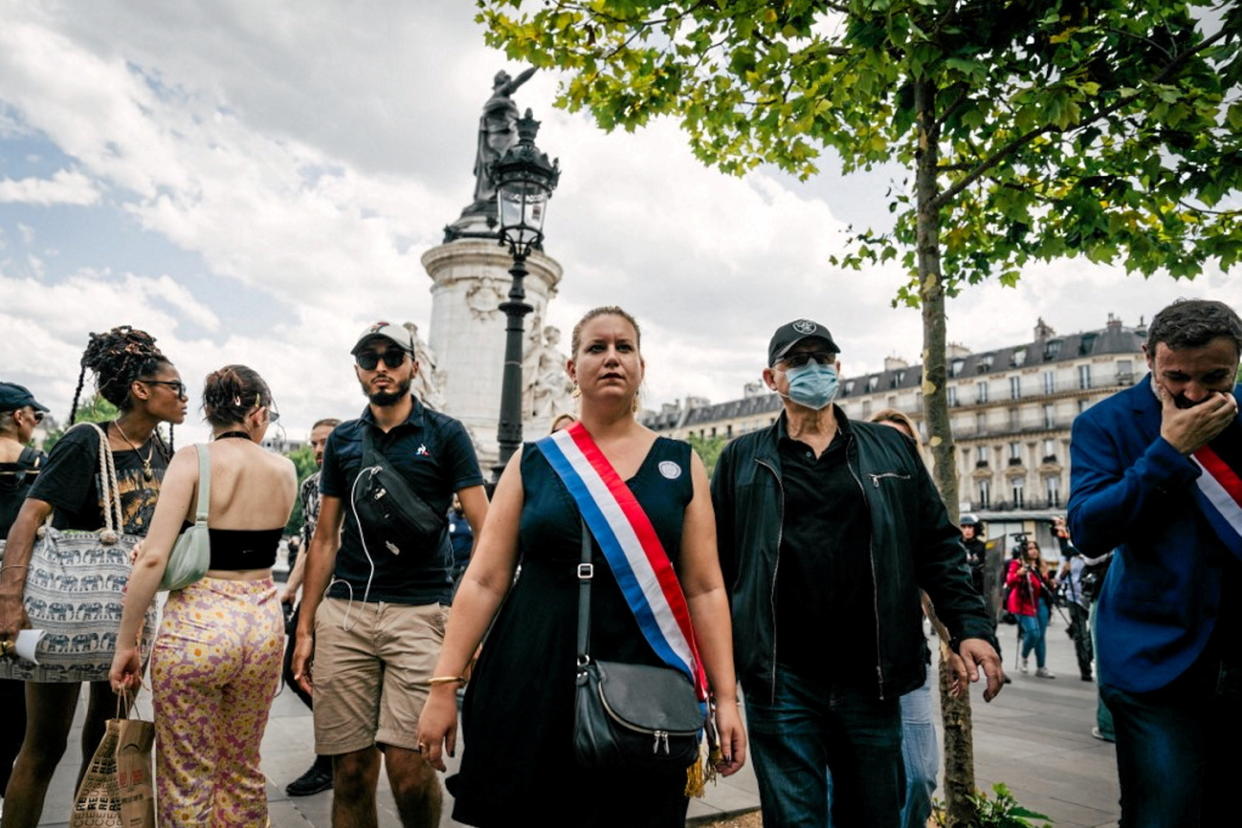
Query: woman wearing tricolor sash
pixel 657 598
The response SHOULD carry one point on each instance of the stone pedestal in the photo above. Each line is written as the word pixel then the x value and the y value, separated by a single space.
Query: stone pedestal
pixel 470 279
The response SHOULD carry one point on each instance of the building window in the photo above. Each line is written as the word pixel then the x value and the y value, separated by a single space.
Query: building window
pixel 1052 490
pixel 985 494
pixel 873 383
pixel 981 422
pixel 981 455
pixel 729 431
pixel 891 402
pixel 1019 357
pixel 1015 452
pixel 1084 377
pixel 1050 451
pixel 955 367
pixel 981 392
pixel 952 396
pixel 985 364
pixel 1083 404
pixel 1052 350
pixel 1050 415
pixel 1015 388
pixel 1050 382
pixel 901 377
pixel 866 411
pixel 1125 371
pixel 1018 489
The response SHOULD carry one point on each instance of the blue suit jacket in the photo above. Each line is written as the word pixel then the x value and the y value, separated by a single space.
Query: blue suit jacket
pixel 1133 492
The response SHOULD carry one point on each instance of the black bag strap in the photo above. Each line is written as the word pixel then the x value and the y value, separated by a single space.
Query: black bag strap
pixel 370 455
pixel 586 571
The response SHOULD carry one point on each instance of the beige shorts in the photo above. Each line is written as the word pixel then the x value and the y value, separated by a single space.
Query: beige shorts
pixel 370 682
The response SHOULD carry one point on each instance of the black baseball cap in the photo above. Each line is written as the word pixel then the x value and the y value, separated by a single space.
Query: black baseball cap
pixel 791 333
pixel 14 396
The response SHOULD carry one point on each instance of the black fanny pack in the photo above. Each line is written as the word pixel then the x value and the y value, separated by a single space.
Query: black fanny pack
pixel 390 514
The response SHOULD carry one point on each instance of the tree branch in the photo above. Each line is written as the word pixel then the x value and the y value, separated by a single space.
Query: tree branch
pixel 1022 140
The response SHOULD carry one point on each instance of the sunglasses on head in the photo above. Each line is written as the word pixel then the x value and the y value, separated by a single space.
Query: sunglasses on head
pixel 800 359
pixel 367 360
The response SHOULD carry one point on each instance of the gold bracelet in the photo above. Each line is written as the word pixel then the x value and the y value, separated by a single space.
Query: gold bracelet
pixel 434 680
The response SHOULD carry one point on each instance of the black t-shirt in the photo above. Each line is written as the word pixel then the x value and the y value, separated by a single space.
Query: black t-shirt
pixel 435 455
pixel 70 482
pixel 823 579
pixel 15 481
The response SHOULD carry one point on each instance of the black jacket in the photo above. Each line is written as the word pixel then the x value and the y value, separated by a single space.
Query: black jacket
pixel 913 545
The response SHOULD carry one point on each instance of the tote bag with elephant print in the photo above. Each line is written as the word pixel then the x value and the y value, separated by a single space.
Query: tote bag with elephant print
pixel 74 591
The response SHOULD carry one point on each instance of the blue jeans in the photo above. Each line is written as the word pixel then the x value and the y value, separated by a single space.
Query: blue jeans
pixel 1178 756
pixel 813 729
pixel 920 754
pixel 1033 629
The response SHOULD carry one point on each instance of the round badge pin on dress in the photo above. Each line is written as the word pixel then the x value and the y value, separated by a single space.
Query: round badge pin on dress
pixel 669 469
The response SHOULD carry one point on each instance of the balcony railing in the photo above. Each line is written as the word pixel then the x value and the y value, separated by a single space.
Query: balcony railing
pixel 1028 505
pixel 1022 426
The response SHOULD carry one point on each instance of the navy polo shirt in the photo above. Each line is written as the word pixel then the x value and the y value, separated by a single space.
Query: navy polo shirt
pixel 435 455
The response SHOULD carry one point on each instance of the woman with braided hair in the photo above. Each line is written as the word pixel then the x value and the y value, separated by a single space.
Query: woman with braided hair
pixel 132 374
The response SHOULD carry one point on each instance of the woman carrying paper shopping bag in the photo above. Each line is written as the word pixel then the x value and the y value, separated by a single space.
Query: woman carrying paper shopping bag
pixel 215 665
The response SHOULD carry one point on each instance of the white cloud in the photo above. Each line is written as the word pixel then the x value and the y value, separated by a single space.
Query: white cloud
pixel 312 152
pixel 65 187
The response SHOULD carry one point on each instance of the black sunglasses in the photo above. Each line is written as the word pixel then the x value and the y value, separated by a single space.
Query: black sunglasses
pixel 800 359
pixel 176 386
pixel 367 360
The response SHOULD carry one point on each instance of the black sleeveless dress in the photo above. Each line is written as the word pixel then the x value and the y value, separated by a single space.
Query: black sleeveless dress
pixel 517 722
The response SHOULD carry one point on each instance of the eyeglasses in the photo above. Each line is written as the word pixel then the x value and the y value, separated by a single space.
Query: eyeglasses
pixel 38 416
pixel 176 386
pixel 272 414
pixel 367 360
pixel 802 358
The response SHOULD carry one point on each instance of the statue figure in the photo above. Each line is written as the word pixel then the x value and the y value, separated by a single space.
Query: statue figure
pixel 497 133
pixel 428 384
pixel 549 390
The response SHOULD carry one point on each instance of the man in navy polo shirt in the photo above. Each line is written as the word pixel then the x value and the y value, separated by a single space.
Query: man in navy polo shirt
pixel 367 648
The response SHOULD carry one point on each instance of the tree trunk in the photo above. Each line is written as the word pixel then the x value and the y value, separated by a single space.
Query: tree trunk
pixel 959 766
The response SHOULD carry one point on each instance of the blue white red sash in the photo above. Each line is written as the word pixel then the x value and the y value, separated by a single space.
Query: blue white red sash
pixel 1219 492
pixel 631 547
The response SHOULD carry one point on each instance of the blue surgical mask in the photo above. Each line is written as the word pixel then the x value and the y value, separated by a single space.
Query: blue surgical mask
pixel 813 385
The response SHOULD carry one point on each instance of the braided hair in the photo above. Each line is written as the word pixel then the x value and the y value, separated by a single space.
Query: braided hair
pixel 117 358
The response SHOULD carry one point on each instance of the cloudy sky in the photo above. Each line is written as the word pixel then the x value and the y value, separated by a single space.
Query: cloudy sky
pixel 256 181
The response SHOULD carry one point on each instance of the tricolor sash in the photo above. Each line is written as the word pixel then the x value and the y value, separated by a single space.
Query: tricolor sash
pixel 1219 488
pixel 631 547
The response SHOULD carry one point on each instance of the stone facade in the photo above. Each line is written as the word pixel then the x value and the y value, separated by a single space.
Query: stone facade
pixel 470 278
pixel 1011 410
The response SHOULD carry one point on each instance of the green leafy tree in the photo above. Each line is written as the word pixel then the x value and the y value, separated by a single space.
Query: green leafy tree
pixel 304 461
pixel 94 410
pixel 708 449
pixel 1033 130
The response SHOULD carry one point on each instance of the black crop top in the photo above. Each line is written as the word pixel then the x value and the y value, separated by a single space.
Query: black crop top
pixel 237 549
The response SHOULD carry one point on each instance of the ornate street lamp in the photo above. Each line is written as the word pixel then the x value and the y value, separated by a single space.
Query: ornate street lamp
pixel 525 180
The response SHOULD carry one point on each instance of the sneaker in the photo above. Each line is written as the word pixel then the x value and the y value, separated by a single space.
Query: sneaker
pixel 1044 672
pixel 315 780
pixel 1026 667
pixel 1095 731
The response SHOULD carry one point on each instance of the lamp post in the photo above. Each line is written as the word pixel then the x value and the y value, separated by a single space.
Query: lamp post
pixel 525 180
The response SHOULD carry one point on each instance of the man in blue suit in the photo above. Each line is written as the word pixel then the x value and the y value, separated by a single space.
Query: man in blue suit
pixel 1170 614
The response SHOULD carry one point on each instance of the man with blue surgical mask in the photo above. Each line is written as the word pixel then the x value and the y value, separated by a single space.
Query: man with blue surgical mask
pixel 827 529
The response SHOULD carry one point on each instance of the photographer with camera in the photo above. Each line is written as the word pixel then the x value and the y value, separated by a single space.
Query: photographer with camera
pixel 1075 579
pixel 1031 595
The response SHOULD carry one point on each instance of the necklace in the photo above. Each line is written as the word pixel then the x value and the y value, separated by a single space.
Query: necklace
pixel 241 435
pixel 148 473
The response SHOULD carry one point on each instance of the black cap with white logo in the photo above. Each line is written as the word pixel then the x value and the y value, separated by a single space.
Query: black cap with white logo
pixel 791 333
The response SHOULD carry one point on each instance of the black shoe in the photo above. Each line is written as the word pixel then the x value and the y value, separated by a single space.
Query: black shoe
pixel 313 781
pixel 1087 677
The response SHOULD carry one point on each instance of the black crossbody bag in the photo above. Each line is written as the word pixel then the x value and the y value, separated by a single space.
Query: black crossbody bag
pixel 629 715
pixel 388 509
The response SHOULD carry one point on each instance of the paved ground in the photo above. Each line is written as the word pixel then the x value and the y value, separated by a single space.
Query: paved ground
pixel 1036 738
